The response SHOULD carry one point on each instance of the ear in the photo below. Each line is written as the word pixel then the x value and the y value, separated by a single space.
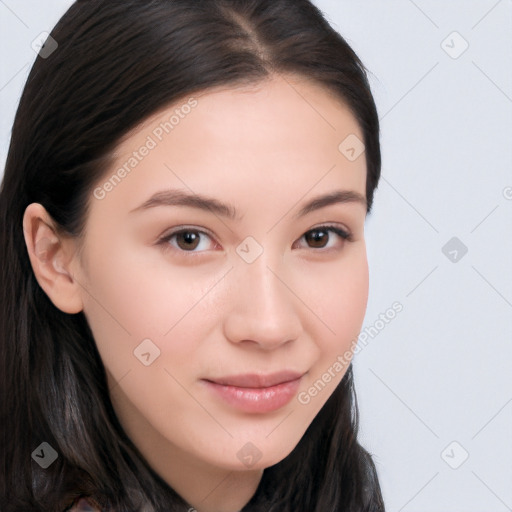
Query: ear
pixel 51 256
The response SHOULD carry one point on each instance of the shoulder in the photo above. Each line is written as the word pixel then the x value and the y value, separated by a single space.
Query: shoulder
pixel 83 505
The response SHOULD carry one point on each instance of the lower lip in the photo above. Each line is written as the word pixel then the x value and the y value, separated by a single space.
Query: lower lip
pixel 257 400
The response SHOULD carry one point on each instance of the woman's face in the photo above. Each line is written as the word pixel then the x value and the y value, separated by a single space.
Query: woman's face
pixel 200 313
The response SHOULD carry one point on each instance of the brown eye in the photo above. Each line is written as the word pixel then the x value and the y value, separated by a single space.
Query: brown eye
pixel 187 240
pixel 317 238
pixel 320 237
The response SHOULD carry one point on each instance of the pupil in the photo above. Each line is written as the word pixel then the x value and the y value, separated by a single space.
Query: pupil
pixel 189 237
pixel 317 236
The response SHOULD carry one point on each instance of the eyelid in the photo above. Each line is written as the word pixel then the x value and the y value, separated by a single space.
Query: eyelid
pixel 178 229
pixel 346 232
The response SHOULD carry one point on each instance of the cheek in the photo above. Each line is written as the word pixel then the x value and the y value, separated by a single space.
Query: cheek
pixel 135 296
pixel 341 305
pixel 341 301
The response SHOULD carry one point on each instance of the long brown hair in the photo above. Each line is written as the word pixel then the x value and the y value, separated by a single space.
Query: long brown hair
pixel 118 62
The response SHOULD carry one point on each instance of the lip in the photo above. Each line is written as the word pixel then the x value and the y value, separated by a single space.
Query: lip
pixel 256 393
pixel 254 380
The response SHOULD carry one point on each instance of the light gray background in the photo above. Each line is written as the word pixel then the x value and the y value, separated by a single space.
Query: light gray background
pixel 440 371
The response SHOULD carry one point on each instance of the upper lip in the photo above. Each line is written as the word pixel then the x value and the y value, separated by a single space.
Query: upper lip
pixel 253 380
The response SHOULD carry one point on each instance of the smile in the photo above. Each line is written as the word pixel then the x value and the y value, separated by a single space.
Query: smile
pixel 256 393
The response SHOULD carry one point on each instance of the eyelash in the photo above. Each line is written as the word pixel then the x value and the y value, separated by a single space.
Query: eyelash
pixel 164 240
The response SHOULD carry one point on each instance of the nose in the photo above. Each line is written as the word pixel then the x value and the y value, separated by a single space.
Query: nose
pixel 264 310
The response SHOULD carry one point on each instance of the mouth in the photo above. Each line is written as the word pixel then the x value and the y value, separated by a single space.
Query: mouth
pixel 254 380
pixel 255 393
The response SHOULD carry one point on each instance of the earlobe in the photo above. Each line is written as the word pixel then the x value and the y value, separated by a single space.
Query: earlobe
pixel 51 256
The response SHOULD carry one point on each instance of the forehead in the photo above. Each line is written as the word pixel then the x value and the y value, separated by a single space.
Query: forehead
pixel 287 106
pixel 284 134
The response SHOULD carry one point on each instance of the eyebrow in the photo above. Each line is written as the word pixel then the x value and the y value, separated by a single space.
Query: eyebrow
pixel 202 202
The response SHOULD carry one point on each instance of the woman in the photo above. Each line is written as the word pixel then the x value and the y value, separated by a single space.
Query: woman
pixel 142 373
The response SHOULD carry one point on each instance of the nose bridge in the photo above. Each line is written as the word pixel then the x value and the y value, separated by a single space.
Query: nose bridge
pixel 264 310
pixel 265 277
pixel 263 281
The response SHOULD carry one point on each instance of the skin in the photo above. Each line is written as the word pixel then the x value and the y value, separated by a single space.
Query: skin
pixel 266 149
